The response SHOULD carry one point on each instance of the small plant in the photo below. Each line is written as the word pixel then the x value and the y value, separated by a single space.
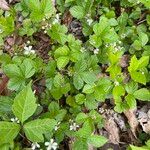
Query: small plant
pixel 61 61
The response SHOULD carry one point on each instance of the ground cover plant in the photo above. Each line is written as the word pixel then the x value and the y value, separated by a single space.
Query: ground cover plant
pixel 74 74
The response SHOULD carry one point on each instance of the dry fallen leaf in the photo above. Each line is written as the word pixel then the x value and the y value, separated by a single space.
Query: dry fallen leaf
pixel 132 120
pixel 4 5
pixel 113 131
pixel 144 119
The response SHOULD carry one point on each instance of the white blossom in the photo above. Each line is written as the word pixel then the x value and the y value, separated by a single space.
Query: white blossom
pixel 74 126
pixel 56 20
pixel 142 72
pixel 89 21
pixel 96 51
pixel 116 83
pixel 43 19
pixel 28 50
pixel 52 145
pixel 35 145
pixel 45 31
pixel 15 120
pixel 28 42
pixel 1 31
pixel 57 126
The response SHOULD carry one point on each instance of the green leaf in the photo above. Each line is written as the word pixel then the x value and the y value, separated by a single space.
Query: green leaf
pixel 88 77
pixel 118 91
pixel 86 130
pixel 27 68
pixel 95 40
pixel 143 38
pixel 5 105
pixel 80 98
pixel 8 131
pixel 131 101
pixel 143 62
pixel 62 62
pixel 88 89
pixel 58 33
pixel 34 130
pixel 77 12
pixel 138 77
pixel 142 94
pixel 97 140
pixel 137 148
pixel 101 27
pixel 58 80
pixel 133 64
pixel 24 104
pixel 61 51
pixel 77 81
pixel 12 70
pixel 81 117
pixel 131 87
pixel 80 144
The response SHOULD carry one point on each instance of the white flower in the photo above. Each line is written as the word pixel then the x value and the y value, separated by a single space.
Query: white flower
pixel 43 27
pixel 74 126
pixel 28 50
pixel 142 72
pixel 52 145
pixel 57 126
pixel 28 42
pixel 89 21
pixel 1 31
pixel 45 31
pixel 15 120
pixel 35 145
pixel 43 19
pixel 56 20
pixel 96 51
pixel 116 83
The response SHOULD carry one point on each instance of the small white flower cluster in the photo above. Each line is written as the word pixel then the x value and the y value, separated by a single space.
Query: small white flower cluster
pixel 56 19
pixel 116 46
pixel 16 120
pixel 73 126
pixel 28 49
pixel 82 50
pixel 143 72
pixel 35 146
pixel 1 31
pixel 57 126
pixel 51 145
pixel 116 83
pixel 96 51
pixel 89 19
pixel 123 36
pixel 46 27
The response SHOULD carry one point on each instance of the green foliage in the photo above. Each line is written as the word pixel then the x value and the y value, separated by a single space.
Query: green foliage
pixel 8 131
pixel 86 54
pixel 24 104
pixel 34 130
